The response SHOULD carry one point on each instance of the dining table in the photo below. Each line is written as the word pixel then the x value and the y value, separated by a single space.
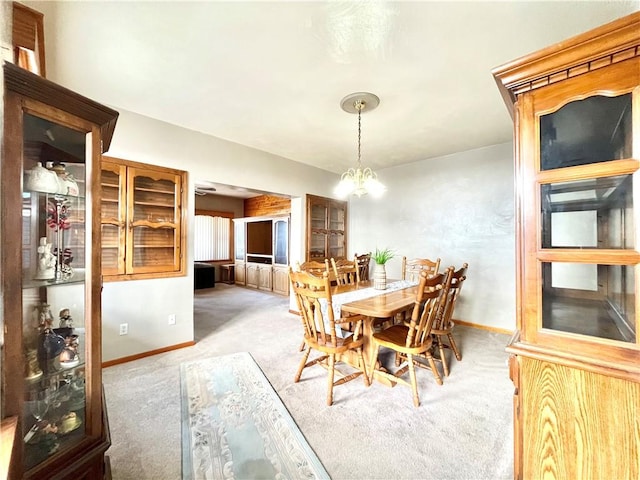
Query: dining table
pixel 361 298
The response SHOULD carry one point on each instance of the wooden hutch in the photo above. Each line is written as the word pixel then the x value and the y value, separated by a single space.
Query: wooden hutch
pixel 575 358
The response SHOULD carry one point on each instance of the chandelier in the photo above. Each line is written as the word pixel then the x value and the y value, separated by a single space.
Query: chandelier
pixel 359 181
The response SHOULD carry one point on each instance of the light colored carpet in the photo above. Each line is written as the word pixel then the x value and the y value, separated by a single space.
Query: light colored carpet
pixel 462 430
pixel 234 425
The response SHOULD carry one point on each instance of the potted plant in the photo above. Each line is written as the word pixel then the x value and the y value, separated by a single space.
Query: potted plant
pixel 381 257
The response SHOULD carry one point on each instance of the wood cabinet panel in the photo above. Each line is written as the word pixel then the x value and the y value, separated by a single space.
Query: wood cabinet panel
pixel 252 279
pixel 581 415
pixel 240 273
pixel 142 219
pixel 265 277
pixel 266 206
pixel 281 280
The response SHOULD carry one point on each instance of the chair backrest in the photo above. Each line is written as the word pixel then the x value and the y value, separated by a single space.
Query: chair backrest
pixel 411 268
pixel 443 321
pixel 363 265
pixel 345 271
pixel 313 267
pixel 318 322
pixel 430 296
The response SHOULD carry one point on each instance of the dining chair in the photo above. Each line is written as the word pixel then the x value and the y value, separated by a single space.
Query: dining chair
pixel 414 340
pixel 314 267
pixel 345 271
pixel 411 271
pixel 443 324
pixel 363 262
pixel 411 268
pixel 320 332
pixel 317 269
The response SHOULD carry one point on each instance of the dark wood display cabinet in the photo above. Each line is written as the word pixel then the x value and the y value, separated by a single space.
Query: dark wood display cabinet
pixel 575 359
pixel 52 398
pixel 326 228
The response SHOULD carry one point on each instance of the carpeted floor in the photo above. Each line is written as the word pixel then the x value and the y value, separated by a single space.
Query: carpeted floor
pixel 462 430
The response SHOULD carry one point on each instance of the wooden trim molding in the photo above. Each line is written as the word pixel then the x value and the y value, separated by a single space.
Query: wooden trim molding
pixel 613 42
pixel 150 353
pixel 33 86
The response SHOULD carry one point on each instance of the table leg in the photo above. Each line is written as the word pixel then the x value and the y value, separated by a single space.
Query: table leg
pixel 351 358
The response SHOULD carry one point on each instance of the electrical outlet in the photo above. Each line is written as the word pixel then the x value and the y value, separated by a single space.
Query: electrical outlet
pixel 172 319
pixel 124 328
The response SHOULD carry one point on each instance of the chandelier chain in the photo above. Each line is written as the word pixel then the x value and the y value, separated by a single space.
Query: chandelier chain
pixel 359 130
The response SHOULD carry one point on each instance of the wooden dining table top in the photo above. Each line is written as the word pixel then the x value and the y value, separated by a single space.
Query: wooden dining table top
pixel 383 305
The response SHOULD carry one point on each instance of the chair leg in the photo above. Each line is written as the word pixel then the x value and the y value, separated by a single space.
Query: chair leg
pixel 454 347
pixel 301 348
pixel 434 369
pixel 374 359
pixel 398 359
pixel 332 361
pixel 443 358
pixel 414 382
pixel 303 362
pixel 367 382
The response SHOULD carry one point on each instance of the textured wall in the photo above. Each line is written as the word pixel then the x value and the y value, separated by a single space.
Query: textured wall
pixel 458 207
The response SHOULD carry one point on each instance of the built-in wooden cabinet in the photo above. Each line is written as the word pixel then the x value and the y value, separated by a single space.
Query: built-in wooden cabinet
pixel 326 228
pixel 142 220
pixel 262 253
pixel 575 358
pixel 51 303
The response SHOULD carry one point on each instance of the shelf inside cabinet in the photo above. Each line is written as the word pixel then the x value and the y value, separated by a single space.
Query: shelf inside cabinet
pixel 77 277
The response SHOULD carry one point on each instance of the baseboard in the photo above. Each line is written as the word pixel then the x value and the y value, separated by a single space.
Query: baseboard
pixel 137 356
pixel 506 331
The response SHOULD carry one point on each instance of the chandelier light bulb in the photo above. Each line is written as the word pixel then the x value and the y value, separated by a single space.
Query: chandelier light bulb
pixel 358 181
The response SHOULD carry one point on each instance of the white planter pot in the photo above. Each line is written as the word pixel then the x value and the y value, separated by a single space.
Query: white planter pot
pixel 380 277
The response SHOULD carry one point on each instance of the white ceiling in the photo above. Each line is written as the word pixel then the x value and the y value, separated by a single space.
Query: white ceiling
pixel 271 75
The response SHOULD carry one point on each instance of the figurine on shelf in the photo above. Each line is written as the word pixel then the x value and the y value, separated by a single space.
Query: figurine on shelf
pixel 69 358
pixel 46 261
pixel 45 318
pixel 40 179
pixel 65 319
pixel 32 369
pixel 67 185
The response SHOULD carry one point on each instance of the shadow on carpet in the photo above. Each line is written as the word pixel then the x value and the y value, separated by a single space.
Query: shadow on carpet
pixel 234 425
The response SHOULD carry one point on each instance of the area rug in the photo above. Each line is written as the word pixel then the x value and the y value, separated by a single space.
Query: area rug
pixel 234 425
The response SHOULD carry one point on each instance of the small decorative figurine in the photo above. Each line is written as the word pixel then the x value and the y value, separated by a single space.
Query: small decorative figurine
pixel 32 369
pixel 65 319
pixel 46 261
pixel 45 318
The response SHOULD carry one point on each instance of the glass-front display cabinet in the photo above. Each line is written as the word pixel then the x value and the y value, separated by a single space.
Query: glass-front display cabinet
pixel 326 228
pixel 51 278
pixel 142 220
pixel 575 358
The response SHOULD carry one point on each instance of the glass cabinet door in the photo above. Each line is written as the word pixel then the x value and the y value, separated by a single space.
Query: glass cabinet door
pixel 113 226
pixel 239 239
pixel 54 262
pixel 154 231
pixel 281 242
pixel 586 248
